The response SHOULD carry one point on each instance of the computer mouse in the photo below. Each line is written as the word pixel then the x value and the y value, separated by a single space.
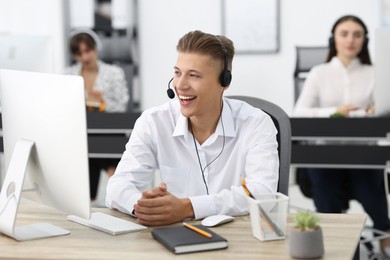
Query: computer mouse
pixel 215 220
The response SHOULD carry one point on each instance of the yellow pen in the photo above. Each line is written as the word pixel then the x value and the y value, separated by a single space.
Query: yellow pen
pixel 197 230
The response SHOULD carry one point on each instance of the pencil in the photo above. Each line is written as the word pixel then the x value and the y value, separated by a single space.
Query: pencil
pixel 246 189
pixel 197 230
pixel 263 215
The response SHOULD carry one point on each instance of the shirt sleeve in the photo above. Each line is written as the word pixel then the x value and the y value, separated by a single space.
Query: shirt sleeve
pixel 308 102
pixel 133 173
pixel 117 96
pixel 261 174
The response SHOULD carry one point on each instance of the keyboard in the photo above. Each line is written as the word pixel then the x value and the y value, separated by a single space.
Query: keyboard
pixel 106 223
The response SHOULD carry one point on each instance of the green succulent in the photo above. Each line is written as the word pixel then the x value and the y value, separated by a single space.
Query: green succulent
pixel 337 115
pixel 306 220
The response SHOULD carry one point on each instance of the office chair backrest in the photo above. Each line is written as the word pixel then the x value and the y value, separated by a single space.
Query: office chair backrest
pixel 307 58
pixel 117 50
pixel 282 124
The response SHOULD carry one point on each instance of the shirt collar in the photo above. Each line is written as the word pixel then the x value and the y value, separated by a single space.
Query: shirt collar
pixel 181 128
pixel 337 62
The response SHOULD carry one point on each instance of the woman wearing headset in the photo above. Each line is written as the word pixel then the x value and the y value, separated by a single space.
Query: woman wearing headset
pixel 105 89
pixel 343 87
pixel 105 84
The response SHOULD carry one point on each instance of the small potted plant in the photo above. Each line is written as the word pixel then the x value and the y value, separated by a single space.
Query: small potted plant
pixel 306 236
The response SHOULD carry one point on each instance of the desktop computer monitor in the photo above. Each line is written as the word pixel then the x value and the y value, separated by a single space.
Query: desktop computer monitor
pixel 45 143
pixel 26 52
pixel 382 75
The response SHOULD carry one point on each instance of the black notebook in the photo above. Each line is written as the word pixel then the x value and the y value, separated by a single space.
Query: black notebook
pixel 181 240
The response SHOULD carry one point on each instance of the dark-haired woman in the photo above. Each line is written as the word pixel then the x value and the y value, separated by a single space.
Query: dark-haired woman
pixel 345 83
pixel 105 90
pixel 105 84
pixel 344 87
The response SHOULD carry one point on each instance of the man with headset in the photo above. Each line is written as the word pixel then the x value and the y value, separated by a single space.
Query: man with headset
pixel 203 144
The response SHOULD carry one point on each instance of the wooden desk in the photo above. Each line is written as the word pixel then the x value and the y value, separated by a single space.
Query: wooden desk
pixel 341 237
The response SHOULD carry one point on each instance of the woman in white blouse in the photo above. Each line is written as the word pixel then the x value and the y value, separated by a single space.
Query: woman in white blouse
pixel 105 89
pixel 343 87
pixel 105 84
pixel 345 83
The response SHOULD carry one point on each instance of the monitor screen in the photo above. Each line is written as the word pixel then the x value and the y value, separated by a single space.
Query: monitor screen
pixel 382 75
pixel 26 52
pixel 44 123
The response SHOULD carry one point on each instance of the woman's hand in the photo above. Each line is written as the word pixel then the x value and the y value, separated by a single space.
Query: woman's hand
pixel 345 109
pixel 370 110
pixel 96 95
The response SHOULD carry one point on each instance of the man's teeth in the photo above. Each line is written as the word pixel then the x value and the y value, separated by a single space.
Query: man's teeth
pixel 186 97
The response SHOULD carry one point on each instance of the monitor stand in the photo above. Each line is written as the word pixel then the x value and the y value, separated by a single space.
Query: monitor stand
pixel 10 197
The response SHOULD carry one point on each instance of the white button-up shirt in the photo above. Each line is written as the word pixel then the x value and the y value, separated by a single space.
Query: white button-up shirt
pixel 161 141
pixel 331 85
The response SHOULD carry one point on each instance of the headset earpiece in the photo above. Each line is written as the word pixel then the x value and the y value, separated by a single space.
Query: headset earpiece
pixel 365 43
pixel 170 92
pixel 226 76
pixel 331 42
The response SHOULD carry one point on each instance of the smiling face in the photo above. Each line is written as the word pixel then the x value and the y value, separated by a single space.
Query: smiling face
pixel 349 39
pixel 196 82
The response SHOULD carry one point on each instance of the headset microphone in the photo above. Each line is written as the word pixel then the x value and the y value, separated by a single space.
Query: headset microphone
pixel 170 92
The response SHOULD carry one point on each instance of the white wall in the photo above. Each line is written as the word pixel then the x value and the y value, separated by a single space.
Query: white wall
pixel 269 76
pixel 162 23
pixel 37 17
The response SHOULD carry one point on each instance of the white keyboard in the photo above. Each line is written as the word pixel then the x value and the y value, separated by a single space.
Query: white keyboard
pixel 106 223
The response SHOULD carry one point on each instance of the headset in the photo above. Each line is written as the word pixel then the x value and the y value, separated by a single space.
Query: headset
pixel 170 92
pixel 95 37
pixel 226 75
pixel 224 78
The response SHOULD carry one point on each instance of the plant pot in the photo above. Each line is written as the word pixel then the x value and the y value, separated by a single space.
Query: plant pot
pixel 306 244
